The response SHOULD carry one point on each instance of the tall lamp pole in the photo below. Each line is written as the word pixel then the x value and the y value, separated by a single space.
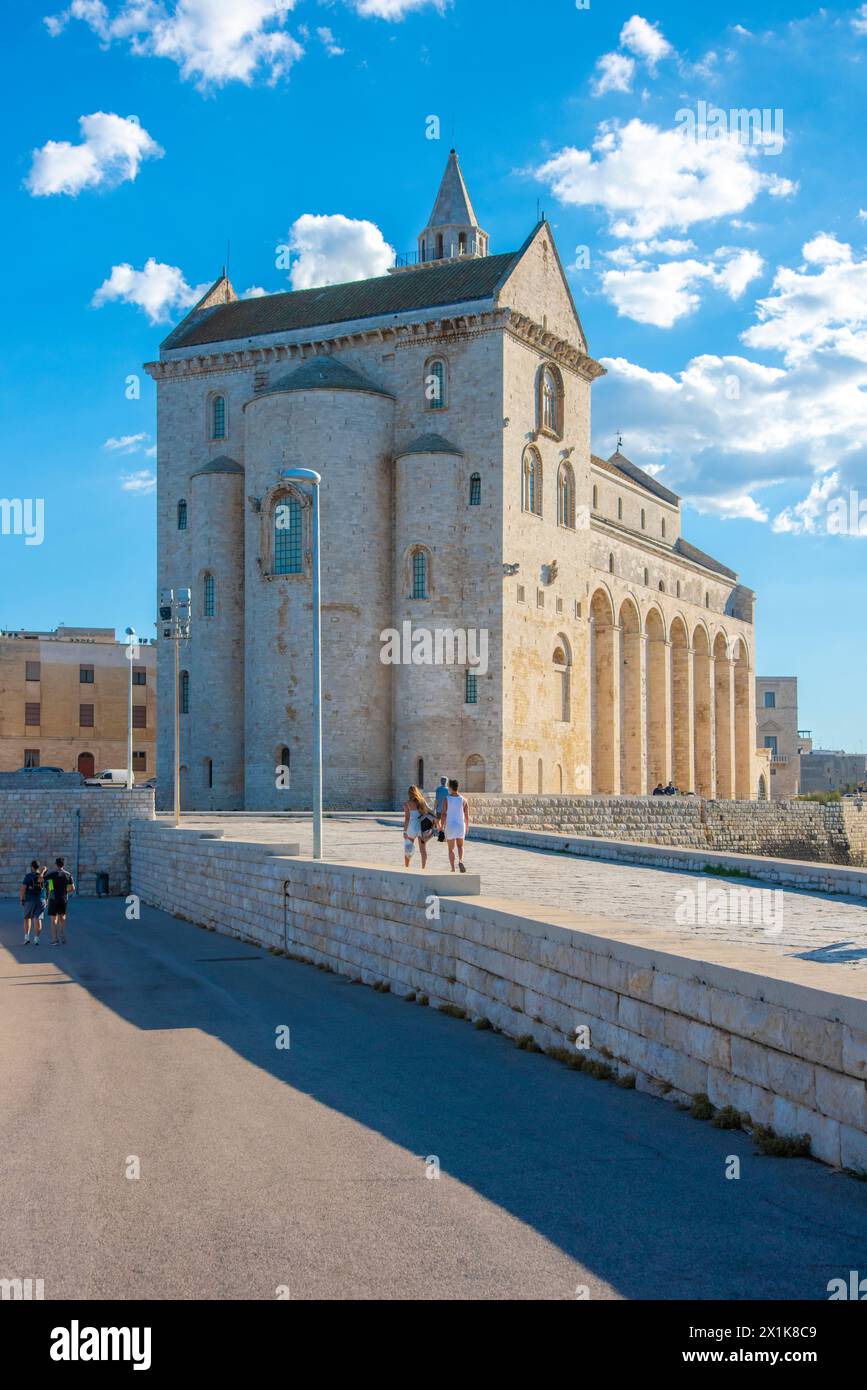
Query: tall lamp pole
pixel 175 623
pixel 309 475
pixel 132 652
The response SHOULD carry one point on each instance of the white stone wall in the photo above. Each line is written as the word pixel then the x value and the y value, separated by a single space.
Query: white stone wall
pixel 791 1053
pixel 42 825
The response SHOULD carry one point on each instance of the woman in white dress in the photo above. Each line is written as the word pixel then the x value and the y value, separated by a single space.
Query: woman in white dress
pixel 414 808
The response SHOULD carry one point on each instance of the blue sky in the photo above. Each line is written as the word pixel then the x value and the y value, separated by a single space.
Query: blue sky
pixel 724 282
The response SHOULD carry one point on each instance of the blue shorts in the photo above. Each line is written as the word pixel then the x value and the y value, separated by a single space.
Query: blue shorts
pixel 33 907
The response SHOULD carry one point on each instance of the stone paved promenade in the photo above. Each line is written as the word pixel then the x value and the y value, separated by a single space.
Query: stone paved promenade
pixel 814 927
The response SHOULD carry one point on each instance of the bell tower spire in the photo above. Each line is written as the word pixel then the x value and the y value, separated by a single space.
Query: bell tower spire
pixel 453 231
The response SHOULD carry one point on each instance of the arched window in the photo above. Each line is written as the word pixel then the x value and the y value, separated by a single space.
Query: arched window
pixel 471 688
pixel 678 588
pixel 419 574
pixel 475 489
pixel 595 498
pixel 707 600
pixel 423 249
pixel 663 528
pixel 562 661
pixel 209 772
pixel 288 549
pixel 419 774
pixel 610 564
pixel 182 515
pixel 620 509
pixel 435 384
pixel 566 497
pixel 184 692
pixel 439 246
pixel 531 496
pixel 647 576
pixel 661 586
pixel 550 404
pixel 643 518
pixel 218 417
pixel 209 596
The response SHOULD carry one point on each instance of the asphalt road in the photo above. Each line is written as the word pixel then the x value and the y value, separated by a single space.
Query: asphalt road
pixel 304 1169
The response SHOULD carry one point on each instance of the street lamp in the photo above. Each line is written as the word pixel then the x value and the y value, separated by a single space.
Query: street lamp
pixel 132 651
pixel 309 475
pixel 175 624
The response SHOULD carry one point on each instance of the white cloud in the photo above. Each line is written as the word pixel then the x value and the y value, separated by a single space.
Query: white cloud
pixel 663 294
pixel 650 180
pixel 127 444
pixel 159 289
pixel 862 214
pixel 331 46
pixel 859 22
pixel 254 292
pixel 616 71
pixel 142 482
pixel 111 151
pixel 394 9
pixel 727 429
pixel 820 307
pixel 645 41
pixel 739 270
pixel 212 41
pixel 659 295
pixel 333 248
pixel 808 515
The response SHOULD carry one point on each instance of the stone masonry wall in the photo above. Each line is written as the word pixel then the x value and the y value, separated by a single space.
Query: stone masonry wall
pixel 833 834
pixel 42 825
pixel 790 1052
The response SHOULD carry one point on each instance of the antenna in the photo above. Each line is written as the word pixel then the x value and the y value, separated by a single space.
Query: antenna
pixel 619 441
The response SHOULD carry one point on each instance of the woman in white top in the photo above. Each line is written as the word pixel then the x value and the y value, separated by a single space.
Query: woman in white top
pixel 455 821
pixel 414 808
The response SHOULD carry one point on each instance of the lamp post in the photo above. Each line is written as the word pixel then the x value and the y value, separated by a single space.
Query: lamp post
pixel 131 654
pixel 175 622
pixel 309 475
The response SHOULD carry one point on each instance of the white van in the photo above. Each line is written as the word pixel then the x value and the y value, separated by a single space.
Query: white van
pixel 110 777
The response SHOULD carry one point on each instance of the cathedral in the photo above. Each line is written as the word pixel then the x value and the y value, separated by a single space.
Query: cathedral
pixel 497 603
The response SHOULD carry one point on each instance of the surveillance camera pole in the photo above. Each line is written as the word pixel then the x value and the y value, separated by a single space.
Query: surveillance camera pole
pixel 309 475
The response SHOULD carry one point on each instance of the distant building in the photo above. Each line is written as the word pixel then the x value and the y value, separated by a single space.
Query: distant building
pixel 831 770
pixel 64 701
pixel 777 730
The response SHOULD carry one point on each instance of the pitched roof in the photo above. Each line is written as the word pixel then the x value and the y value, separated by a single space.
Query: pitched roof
pixel 429 287
pixel 223 464
pixel 638 475
pixel 700 557
pixel 452 206
pixel 430 444
pixel 324 374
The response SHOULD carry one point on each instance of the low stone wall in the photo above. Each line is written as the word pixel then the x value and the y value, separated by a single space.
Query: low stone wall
pixel 42 824
pixel 682 1018
pixel 832 834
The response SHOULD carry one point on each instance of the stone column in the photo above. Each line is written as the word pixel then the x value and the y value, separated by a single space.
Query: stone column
pixel 724 726
pixel 616 657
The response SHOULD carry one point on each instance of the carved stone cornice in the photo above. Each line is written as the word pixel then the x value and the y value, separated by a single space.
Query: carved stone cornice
pixel 566 354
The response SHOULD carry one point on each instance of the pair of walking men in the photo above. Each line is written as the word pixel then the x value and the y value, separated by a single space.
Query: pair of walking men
pixel 56 884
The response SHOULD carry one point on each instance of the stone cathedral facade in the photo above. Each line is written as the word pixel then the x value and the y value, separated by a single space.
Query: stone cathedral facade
pixel 447 407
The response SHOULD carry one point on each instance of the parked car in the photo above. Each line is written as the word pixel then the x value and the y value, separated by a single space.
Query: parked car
pixel 110 777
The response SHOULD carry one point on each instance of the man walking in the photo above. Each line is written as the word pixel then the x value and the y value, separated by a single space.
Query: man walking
pixel 455 821
pixel 60 885
pixel 441 797
pixel 30 897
